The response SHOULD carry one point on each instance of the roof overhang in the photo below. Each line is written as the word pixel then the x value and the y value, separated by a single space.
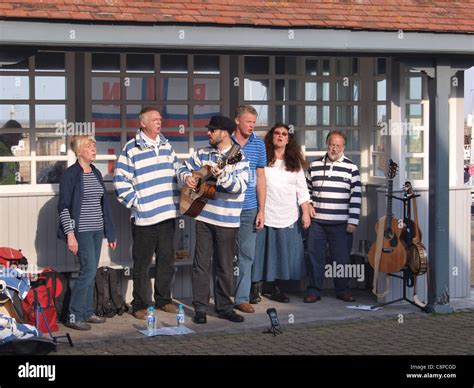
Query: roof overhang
pixel 230 38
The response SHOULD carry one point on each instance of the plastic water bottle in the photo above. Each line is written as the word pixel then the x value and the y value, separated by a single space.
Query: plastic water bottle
pixel 180 318
pixel 150 321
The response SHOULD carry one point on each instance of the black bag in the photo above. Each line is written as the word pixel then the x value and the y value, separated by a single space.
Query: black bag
pixel 107 299
pixel 28 346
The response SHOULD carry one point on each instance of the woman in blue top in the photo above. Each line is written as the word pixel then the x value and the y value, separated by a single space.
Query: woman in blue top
pixel 85 216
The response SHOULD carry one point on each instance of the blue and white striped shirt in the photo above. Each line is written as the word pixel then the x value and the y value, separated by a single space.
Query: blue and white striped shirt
pixel 145 180
pixel 256 154
pixel 91 217
pixel 224 209
pixel 335 190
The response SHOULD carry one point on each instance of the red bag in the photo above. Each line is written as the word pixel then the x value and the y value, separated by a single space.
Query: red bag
pixel 10 257
pixel 40 295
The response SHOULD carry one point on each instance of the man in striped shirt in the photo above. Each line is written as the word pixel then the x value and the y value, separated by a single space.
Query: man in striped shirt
pixel 145 182
pixel 218 223
pixel 334 185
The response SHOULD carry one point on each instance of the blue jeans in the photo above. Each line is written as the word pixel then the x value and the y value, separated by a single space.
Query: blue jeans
pixel 82 295
pixel 246 244
pixel 340 243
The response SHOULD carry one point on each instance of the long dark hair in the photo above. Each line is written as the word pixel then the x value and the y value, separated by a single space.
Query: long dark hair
pixel 294 160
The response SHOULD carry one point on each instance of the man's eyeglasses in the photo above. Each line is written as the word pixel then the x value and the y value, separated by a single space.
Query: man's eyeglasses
pixel 335 146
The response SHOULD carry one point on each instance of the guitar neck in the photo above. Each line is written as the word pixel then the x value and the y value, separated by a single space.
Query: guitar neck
pixel 415 216
pixel 388 219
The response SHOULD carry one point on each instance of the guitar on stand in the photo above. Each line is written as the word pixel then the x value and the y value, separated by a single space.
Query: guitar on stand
pixel 192 201
pixel 416 253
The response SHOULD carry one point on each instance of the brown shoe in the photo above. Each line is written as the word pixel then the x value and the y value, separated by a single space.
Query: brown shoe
pixel 140 314
pixel 311 298
pixel 346 297
pixel 245 308
pixel 169 308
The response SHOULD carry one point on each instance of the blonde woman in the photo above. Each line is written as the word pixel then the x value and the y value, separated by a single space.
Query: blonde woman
pixel 85 217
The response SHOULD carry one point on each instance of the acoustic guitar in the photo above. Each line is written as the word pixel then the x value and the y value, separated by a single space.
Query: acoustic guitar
pixel 393 254
pixel 417 256
pixel 192 201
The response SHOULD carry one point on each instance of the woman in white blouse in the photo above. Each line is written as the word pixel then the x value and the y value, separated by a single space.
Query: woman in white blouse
pixel 279 248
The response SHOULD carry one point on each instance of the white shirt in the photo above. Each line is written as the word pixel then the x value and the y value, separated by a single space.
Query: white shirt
pixel 285 192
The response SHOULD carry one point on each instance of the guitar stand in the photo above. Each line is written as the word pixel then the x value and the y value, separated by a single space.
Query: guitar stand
pixel 39 310
pixel 407 283
pixel 407 274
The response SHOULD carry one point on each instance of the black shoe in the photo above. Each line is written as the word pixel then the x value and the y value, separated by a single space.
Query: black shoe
pixel 278 296
pixel 254 297
pixel 200 317
pixel 231 316
pixel 79 325
pixel 95 319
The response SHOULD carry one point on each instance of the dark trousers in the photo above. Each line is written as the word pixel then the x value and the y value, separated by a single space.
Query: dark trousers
pixel 218 243
pixel 340 243
pixel 155 239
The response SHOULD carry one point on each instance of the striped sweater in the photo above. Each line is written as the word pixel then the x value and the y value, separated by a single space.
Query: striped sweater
pixel 224 209
pixel 336 193
pixel 145 180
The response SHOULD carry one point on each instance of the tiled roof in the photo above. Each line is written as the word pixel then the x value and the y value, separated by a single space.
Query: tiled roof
pixel 408 15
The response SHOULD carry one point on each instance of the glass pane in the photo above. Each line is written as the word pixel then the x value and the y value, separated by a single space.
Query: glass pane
pixel 262 118
pixel 132 116
pixel 256 65
pixel 174 115
pixel 380 114
pixel 413 86
pixel 381 66
pixel 414 141
pixel 200 140
pixel 280 113
pixel 106 88
pixel 326 67
pixel 325 114
pixel 293 90
pixel 206 64
pixel 280 90
pixel 106 116
pixel 356 90
pixel 50 171
pixel 203 113
pixel 256 90
pixel 50 143
pixel 174 64
pixel 174 89
pixel 292 119
pixel 355 158
pixel 378 165
pixel 50 88
pixel 414 169
pixel 179 139
pixel 344 66
pixel 310 139
pixel 207 89
pixel 49 61
pixel 311 67
pixel 14 87
pixel 342 90
pixel 109 63
pixel 21 65
pixel 352 140
pixel 381 90
pixel 311 91
pixel 12 173
pixel 140 63
pixel 355 115
pixel 14 144
pixel 325 91
pixel 414 115
pixel 343 115
pixel 19 113
pixel 108 143
pixel 106 168
pixel 285 65
pixel 140 88
pixel 50 116
pixel 311 115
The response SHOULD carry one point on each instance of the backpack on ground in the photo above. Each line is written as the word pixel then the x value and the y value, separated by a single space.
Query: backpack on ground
pixel 108 301
pixel 40 295
pixel 61 290
pixel 10 257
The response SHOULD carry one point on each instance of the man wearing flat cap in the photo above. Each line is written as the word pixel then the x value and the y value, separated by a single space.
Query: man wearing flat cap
pixel 218 223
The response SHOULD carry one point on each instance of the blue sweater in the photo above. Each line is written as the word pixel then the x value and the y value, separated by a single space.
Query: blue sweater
pixel 71 190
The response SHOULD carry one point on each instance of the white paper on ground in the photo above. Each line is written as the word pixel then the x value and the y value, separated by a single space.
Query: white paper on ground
pixel 168 331
pixel 364 307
